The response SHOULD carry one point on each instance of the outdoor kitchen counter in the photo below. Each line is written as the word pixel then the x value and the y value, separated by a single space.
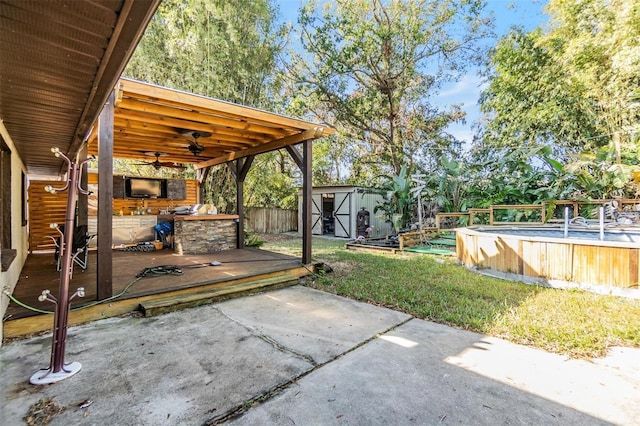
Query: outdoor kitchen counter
pixel 196 234
pixel 233 217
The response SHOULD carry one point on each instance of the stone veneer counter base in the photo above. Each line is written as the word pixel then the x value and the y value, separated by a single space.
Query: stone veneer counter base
pixel 205 233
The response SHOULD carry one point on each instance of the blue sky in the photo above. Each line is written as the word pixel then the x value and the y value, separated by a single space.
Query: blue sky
pixel 526 13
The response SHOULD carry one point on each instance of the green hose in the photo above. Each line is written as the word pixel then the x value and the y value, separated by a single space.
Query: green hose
pixel 97 302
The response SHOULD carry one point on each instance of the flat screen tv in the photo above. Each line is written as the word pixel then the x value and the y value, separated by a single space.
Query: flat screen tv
pixel 144 188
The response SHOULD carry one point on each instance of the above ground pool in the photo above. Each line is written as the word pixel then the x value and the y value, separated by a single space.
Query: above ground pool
pixel 579 259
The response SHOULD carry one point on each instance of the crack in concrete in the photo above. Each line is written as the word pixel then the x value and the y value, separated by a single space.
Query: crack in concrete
pixel 241 409
pixel 273 342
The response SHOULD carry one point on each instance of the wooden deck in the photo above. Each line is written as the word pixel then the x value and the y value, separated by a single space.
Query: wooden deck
pixel 239 272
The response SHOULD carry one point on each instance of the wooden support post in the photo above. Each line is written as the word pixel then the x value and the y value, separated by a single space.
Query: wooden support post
pixel 240 170
pixel 104 284
pixel 307 189
pixel 240 209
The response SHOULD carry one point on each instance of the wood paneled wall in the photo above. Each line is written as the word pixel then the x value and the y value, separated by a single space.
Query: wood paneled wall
pixel 128 205
pixel 46 208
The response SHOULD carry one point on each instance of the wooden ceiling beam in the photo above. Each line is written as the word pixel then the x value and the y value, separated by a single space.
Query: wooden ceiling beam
pixel 219 136
pixel 218 119
pixel 270 146
pixel 177 123
pixel 135 89
pixel 226 134
pixel 149 118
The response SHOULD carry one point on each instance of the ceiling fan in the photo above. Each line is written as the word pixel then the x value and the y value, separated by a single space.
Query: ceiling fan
pixel 194 147
pixel 157 164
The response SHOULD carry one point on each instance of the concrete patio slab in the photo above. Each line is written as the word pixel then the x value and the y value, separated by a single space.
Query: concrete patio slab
pixel 300 356
pixel 428 374
pixel 311 322
pixel 190 366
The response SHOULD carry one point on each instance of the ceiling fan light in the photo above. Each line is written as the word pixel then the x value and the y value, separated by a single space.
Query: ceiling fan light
pixel 196 149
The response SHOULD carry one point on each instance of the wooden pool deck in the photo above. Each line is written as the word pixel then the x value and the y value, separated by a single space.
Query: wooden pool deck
pixel 239 272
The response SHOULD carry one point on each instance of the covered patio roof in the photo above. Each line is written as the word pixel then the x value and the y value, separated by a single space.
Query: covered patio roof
pixel 191 129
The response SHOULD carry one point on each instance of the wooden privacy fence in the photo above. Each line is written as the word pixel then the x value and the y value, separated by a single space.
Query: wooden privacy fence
pixel 271 220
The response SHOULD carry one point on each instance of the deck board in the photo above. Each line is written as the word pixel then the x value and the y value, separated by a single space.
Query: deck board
pixel 40 273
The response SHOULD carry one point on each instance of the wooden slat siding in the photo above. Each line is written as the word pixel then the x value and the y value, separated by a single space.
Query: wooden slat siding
pixel 271 220
pixel 462 248
pixel 511 261
pixel 472 243
pixel 566 261
pixel 536 255
pixel 560 261
pixel 520 259
pixel 44 209
pixel 130 204
pixel 487 249
pixel 634 267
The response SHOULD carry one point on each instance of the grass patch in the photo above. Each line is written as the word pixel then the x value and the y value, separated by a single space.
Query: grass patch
pixel 571 322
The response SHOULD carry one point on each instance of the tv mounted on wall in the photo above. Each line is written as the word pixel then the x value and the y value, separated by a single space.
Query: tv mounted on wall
pixel 146 188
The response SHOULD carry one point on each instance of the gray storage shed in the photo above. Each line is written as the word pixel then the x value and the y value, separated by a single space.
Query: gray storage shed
pixel 335 209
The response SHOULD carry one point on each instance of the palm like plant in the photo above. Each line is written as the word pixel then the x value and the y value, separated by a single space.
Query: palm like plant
pixel 398 204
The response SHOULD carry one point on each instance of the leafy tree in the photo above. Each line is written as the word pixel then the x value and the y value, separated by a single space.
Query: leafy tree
pixel 271 183
pixel 573 88
pixel 600 48
pixel 370 67
pixel 520 175
pixel 599 175
pixel 530 101
pixel 227 50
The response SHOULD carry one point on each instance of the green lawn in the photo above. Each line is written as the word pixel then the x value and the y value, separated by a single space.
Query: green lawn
pixel 575 323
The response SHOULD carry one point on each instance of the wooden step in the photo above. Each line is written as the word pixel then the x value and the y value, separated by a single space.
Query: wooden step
pixel 171 304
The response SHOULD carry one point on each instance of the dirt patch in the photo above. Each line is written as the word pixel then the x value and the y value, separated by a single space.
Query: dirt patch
pixel 42 412
pixel 340 269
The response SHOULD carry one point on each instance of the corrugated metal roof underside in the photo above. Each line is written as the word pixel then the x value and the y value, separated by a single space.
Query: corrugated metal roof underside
pixel 57 65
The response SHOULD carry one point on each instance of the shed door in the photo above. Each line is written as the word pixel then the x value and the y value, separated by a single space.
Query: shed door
pixel 342 215
pixel 316 214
